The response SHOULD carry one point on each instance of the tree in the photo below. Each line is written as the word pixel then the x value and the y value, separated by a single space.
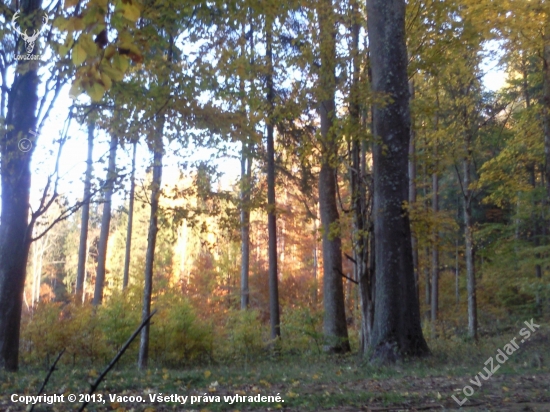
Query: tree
pixel 158 151
pixel 83 248
pixel 397 332
pixel 271 205
pixel 130 219
pixel 105 222
pixel 335 327
pixel 15 231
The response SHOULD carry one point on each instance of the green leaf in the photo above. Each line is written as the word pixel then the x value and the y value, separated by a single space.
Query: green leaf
pixel 79 55
pixel 113 73
pixel 120 63
pixel 131 12
pixel 96 92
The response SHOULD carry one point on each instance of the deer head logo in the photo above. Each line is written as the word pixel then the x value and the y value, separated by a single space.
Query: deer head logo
pixel 29 40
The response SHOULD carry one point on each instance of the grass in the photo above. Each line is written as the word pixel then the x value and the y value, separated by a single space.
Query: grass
pixel 312 382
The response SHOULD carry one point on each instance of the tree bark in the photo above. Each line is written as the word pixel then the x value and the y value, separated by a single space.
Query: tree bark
pixel 83 246
pixel 105 223
pixel 334 325
pixel 246 174
pixel 130 221
pixel 412 194
pixel 435 245
pixel 359 194
pixel 158 151
pixel 468 239
pixel 271 203
pixel 397 332
pixel 457 276
pixel 546 108
pixel 15 175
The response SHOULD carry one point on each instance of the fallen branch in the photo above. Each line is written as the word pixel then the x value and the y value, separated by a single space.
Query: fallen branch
pixel 52 369
pixel 116 358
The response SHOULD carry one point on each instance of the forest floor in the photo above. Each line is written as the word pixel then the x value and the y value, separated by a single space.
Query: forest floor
pixel 315 382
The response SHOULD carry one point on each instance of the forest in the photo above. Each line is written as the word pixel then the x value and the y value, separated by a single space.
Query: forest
pixel 306 205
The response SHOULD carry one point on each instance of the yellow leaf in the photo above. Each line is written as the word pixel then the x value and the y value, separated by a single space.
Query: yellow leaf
pixel 207 374
pixel 115 405
pixel 108 83
pixel 96 92
pixel 165 376
pixel 88 44
pixel 63 50
pixel 79 55
pixel 120 63
pixel 92 373
pixel 75 24
pixel 131 12
pixel 109 52
pixel 61 23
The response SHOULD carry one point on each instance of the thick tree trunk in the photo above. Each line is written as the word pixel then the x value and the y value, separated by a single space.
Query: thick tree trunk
pixel 15 231
pixel 158 151
pixel 271 204
pixel 397 332
pixel 83 246
pixel 127 254
pixel 335 327
pixel 359 194
pixel 105 223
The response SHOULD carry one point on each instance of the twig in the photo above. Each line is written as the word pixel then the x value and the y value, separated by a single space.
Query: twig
pixel 52 369
pixel 116 358
pixel 347 277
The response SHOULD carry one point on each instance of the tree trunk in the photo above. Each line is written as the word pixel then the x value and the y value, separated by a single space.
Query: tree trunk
pixel 457 276
pixel 412 195
pixel 435 246
pixel 271 204
pixel 15 231
pixel 158 150
pixel 427 274
pixel 358 192
pixel 469 243
pixel 105 223
pixel 335 327
pixel 130 221
pixel 397 332
pixel 546 108
pixel 246 172
pixel 83 246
